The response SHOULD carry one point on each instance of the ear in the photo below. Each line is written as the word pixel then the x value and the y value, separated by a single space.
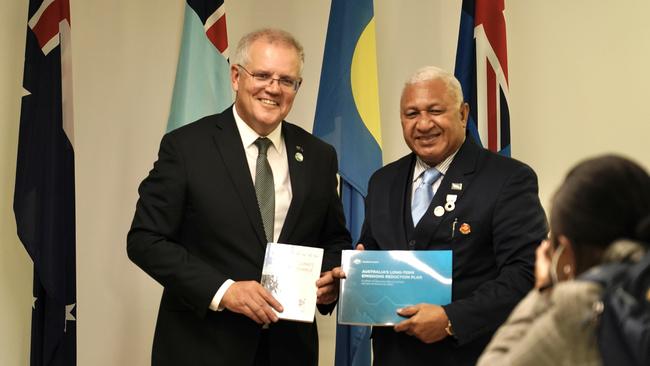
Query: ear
pixel 464 113
pixel 567 263
pixel 234 77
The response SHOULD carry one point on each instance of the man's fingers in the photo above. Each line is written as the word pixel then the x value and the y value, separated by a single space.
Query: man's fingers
pixel 360 247
pixel 270 300
pixel 408 311
pixel 325 279
pixel 338 273
pixel 252 300
pixel 403 326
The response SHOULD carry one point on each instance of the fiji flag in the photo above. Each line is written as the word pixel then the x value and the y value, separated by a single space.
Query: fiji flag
pixel 347 117
pixel 202 84
pixel 44 197
pixel 482 69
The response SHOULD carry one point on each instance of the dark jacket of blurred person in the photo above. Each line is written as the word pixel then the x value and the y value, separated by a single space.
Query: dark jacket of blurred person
pixel 602 201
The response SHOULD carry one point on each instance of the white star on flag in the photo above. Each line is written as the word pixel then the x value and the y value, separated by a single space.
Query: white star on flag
pixel 68 315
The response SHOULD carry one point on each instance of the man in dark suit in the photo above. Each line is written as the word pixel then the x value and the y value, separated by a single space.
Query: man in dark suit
pixel 482 206
pixel 222 188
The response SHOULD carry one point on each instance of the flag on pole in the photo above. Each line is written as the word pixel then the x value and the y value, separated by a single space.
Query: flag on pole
pixel 44 196
pixel 202 85
pixel 482 69
pixel 347 117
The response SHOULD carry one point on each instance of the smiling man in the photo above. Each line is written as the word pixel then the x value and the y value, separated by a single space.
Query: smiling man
pixel 222 188
pixel 450 194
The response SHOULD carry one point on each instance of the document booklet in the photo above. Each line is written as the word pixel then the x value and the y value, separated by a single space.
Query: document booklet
pixel 290 273
pixel 380 282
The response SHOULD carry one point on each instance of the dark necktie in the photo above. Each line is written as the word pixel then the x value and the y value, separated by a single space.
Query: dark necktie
pixel 264 187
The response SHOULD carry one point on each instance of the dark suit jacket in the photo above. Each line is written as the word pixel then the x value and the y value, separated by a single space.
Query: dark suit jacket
pixel 492 263
pixel 197 223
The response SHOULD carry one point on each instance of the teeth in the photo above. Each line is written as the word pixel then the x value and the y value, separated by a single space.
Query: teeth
pixel 268 101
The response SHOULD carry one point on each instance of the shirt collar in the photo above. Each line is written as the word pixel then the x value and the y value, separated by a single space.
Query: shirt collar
pixel 442 167
pixel 248 135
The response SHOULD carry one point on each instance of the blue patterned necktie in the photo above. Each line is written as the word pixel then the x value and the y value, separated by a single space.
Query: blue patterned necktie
pixel 423 194
pixel 264 187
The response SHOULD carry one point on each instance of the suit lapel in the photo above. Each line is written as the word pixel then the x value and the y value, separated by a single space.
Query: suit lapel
pixel 399 200
pixel 232 152
pixel 299 180
pixel 459 173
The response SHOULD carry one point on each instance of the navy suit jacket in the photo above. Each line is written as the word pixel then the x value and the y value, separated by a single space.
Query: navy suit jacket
pixel 197 223
pixel 493 231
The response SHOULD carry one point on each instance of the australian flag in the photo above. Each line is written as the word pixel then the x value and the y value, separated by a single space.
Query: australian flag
pixel 44 197
pixel 482 69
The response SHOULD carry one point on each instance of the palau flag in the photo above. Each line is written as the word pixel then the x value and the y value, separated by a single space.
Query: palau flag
pixel 44 196
pixel 347 117
pixel 482 69
pixel 202 85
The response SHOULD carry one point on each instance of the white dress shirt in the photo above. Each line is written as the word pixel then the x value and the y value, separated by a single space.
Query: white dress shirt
pixel 421 166
pixel 277 157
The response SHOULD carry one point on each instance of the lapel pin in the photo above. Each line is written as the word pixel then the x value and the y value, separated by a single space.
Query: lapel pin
pixel 438 211
pixel 465 228
pixel 451 202
pixel 299 157
pixel 299 148
pixel 457 186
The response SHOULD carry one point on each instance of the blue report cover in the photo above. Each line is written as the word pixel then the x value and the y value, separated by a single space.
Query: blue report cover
pixel 378 283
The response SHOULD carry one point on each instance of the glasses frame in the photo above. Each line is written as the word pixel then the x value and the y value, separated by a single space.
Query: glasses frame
pixel 268 79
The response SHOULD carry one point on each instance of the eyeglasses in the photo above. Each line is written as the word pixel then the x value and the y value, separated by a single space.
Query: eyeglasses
pixel 285 83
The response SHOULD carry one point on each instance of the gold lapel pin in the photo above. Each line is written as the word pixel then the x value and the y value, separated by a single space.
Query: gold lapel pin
pixel 465 228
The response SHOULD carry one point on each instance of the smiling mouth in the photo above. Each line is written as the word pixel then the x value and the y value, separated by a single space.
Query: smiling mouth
pixel 428 138
pixel 268 102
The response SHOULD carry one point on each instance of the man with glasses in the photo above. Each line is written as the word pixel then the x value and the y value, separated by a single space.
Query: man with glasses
pixel 221 189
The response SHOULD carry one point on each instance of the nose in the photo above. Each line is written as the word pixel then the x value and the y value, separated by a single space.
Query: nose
pixel 273 86
pixel 424 122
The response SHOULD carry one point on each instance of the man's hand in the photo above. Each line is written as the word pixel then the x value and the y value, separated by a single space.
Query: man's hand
pixel 329 282
pixel 426 322
pixel 328 286
pixel 252 300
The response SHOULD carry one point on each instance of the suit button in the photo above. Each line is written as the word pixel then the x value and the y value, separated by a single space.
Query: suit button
pixel 412 244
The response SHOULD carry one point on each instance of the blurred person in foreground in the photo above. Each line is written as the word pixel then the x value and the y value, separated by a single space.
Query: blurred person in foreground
pixel 481 205
pixel 221 189
pixel 601 213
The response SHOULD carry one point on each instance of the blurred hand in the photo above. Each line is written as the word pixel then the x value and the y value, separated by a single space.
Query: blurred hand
pixel 426 322
pixel 252 300
pixel 543 256
pixel 329 283
pixel 328 286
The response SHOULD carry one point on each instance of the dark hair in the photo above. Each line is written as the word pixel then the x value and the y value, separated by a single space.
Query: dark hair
pixel 601 200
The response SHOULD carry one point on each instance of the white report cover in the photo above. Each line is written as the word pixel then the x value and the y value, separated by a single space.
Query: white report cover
pixel 290 273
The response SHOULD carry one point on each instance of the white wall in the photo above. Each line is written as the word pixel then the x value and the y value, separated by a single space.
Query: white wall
pixel 15 265
pixel 578 81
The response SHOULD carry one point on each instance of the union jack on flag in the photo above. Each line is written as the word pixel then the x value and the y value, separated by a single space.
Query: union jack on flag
pixel 482 69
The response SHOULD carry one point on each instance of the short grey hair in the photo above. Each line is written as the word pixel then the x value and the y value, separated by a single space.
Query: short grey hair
pixel 270 35
pixel 428 73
